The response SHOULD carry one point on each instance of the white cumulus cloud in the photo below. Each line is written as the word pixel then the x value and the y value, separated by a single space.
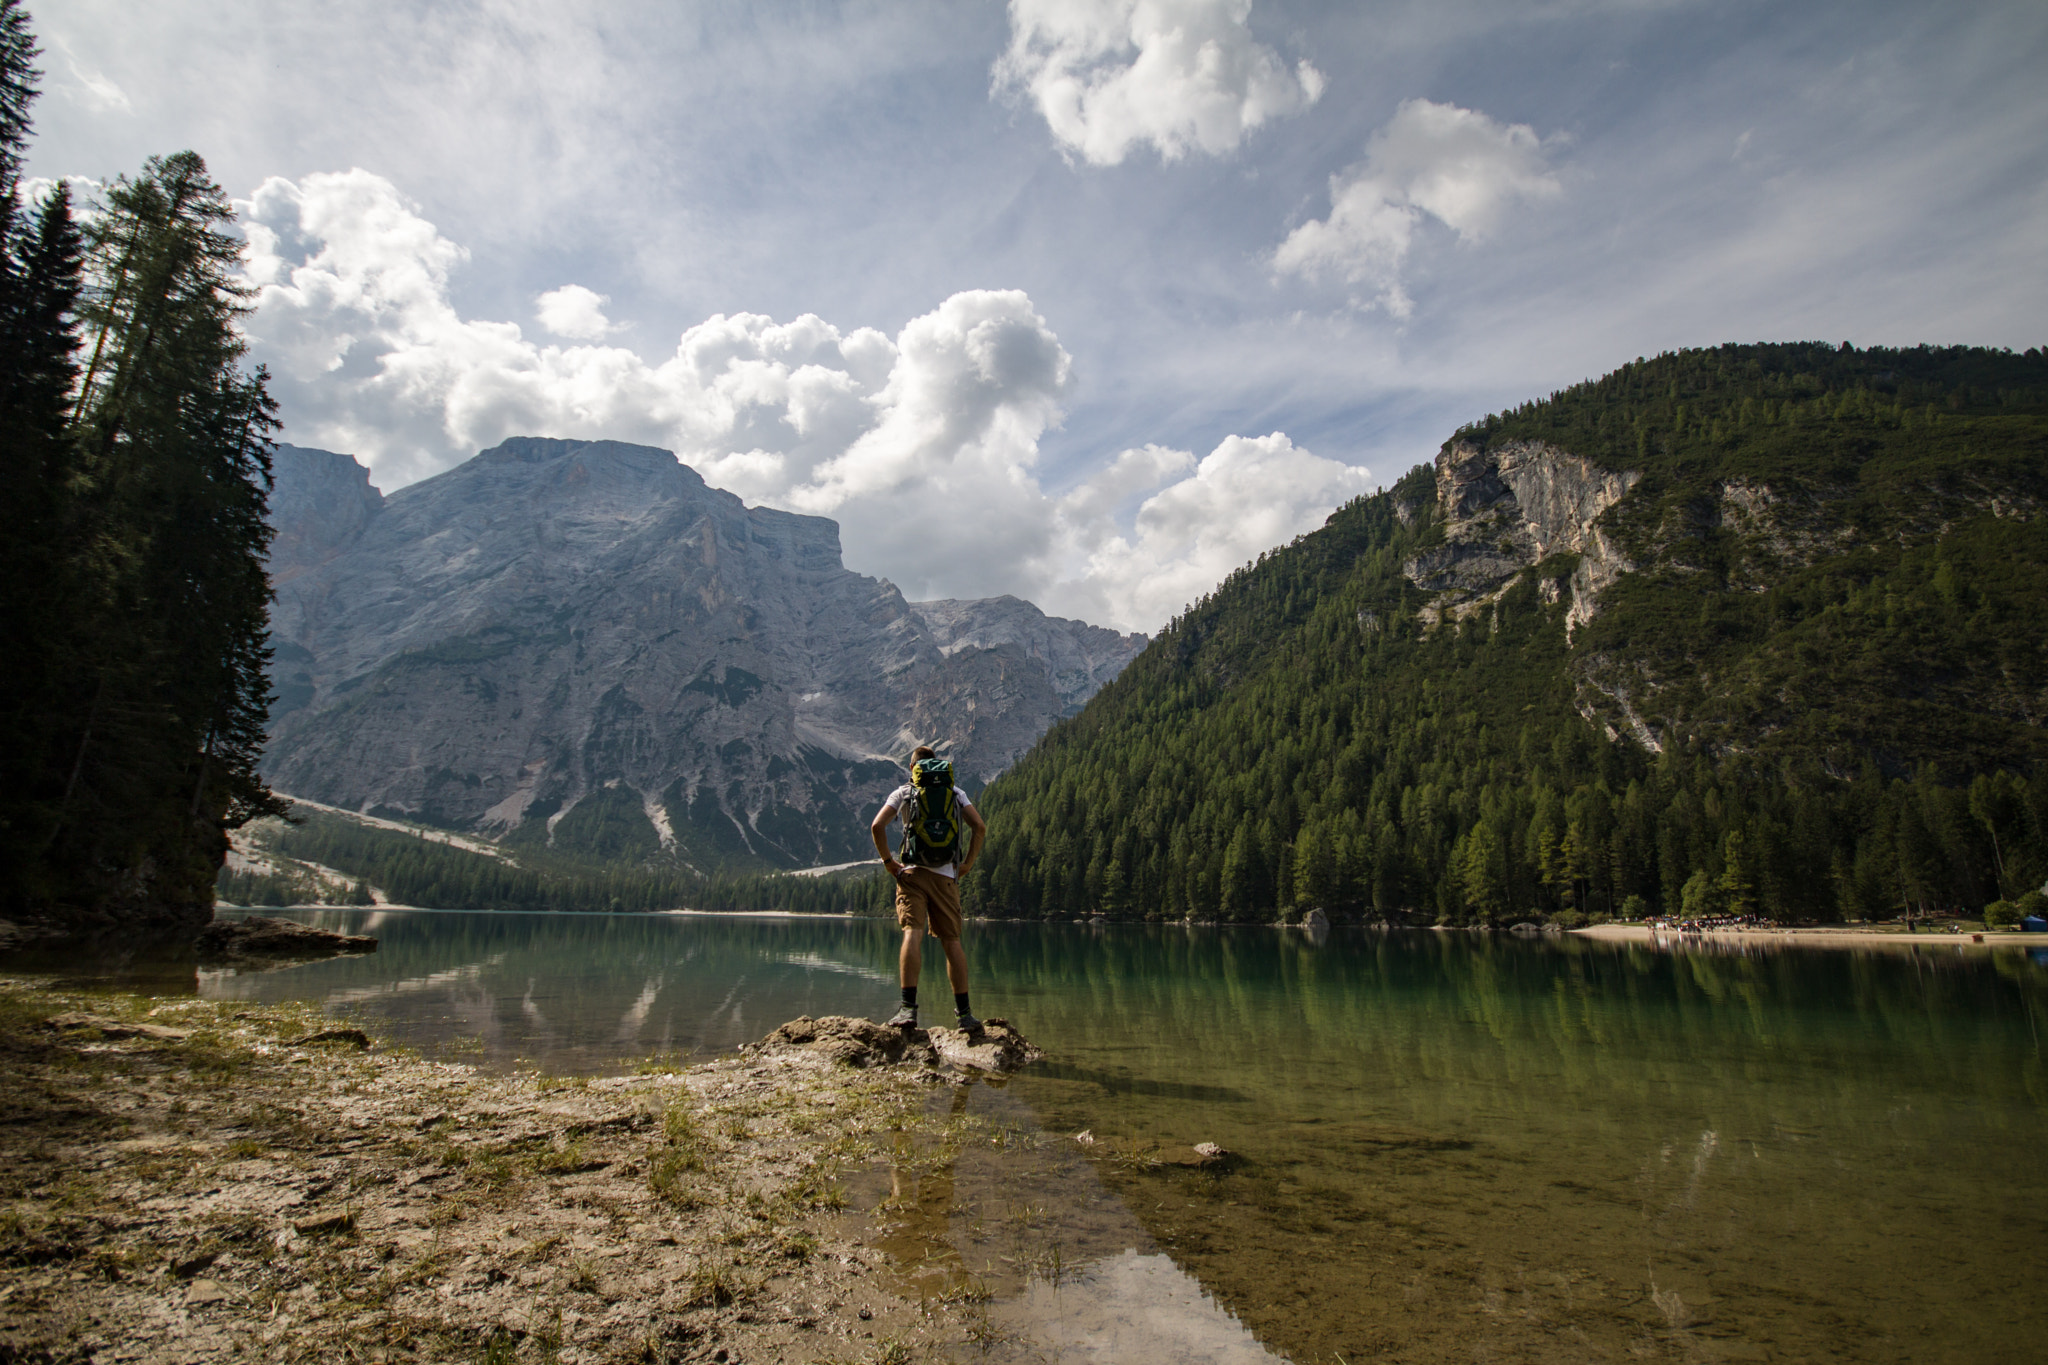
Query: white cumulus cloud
pixel 1111 75
pixel 924 446
pixel 1432 160
pixel 1246 496
pixel 574 312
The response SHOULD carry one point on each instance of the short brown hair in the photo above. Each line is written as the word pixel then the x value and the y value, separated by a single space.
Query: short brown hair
pixel 922 751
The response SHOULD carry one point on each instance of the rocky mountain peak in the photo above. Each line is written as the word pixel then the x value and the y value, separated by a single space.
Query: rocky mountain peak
pixel 321 503
pixel 1081 659
pixel 583 643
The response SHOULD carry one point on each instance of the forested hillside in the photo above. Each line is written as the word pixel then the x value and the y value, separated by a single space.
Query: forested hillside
pixel 1809 680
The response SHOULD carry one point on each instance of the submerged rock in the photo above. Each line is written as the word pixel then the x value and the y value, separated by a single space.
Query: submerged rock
pixel 263 937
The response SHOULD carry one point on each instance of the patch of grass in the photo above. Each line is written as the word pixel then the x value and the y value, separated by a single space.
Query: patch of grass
pixel 797 1246
pixel 1133 1155
pixel 678 1127
pixel 668 1176
pixel 545 1083
pixel 425 1267
pixel 245 1149
pixel 547 1337
pixel 496 1171
pixel 583 1276
pixel 819 1188
pixel 568 1157
pixel 540 1248
pixel 982 1332
pixel 716 1284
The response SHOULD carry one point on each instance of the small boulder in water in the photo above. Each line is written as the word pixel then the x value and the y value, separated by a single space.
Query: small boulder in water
pixel 864 1043
pixel 998 1047
pixel 261 936
pixel 850 1042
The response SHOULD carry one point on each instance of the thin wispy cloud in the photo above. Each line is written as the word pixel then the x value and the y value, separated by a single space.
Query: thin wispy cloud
pixel 90 87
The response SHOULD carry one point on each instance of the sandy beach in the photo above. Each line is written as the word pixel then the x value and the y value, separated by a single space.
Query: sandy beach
pixel 1814 937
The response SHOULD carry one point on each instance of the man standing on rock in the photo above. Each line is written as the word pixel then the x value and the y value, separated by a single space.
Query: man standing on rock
pixel 934 813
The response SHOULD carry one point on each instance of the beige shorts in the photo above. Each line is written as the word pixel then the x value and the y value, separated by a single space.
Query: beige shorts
pixel 928 903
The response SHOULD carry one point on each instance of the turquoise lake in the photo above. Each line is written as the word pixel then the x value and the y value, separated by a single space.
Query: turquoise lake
pixel 1446 1146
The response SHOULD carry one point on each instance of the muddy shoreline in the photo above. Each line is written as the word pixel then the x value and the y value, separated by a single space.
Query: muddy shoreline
pixel 192 1180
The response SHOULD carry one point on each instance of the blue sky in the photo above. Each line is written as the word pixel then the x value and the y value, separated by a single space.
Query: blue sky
pixel 1111 293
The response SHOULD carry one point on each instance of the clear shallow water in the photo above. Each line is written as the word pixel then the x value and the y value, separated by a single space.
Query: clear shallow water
pixel 1449 1147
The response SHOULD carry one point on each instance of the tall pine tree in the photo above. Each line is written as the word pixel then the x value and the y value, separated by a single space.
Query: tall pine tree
pixel 137 462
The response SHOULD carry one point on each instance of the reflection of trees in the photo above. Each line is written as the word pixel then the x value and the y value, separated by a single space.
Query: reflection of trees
pixel 1607 1136
pixel 1436 1023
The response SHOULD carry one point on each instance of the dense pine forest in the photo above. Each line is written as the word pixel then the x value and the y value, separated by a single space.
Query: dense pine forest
pixel 135 472
pixel 1846 706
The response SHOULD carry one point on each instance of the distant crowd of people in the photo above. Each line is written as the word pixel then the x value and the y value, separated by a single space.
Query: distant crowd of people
pixel 1709 923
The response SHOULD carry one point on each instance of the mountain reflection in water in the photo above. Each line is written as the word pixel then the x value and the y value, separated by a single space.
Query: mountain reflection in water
pixel 1445 1146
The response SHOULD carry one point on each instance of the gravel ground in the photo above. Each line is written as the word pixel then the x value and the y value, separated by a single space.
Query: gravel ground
pixel 199 1181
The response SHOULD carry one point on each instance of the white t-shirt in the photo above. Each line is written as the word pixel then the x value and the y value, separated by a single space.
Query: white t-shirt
pixel 904 802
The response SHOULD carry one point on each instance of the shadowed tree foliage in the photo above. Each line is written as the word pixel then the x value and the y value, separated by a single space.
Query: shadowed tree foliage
pixel 136 468
pixel 1849 705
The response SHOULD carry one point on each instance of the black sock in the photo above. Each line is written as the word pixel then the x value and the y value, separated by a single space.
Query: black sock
pixel 910 997
pixel 960 1002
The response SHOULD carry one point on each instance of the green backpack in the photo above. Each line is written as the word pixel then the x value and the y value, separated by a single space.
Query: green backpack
pixel 931 830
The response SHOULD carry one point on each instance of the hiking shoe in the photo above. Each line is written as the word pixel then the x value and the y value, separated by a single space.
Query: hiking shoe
pixel 968 1023
pixel 905 1017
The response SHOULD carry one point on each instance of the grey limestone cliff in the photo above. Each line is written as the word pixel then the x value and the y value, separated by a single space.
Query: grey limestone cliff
pixel 1522 505
pixel 1510 509
pixel 582 643
pixel 1527 509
